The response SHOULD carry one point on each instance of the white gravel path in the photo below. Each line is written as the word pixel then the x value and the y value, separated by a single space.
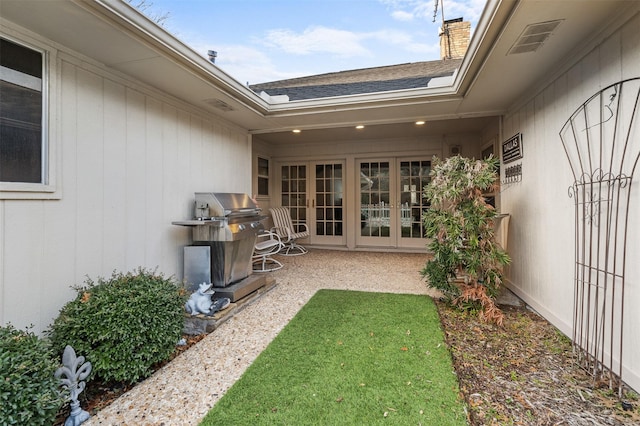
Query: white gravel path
pixel 182 392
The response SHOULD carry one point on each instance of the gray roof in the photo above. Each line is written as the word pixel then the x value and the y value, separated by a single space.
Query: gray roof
pixel 366 80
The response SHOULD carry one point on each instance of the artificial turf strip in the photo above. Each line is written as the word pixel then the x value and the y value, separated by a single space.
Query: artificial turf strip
pixel 350 358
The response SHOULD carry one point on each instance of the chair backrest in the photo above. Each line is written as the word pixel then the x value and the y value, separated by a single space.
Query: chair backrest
pixel 282 220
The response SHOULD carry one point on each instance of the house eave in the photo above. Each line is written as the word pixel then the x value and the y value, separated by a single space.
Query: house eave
pixel 118 36
pixel 388 98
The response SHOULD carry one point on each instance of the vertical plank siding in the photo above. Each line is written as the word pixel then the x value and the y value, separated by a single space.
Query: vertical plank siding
pixel 131 161
pixel 542 225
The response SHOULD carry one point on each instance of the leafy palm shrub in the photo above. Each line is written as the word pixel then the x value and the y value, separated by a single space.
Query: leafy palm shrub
pixel 467 262
pixel 123 325
pixel 29 392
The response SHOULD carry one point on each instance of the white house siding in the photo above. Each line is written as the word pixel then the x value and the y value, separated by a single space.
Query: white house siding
pixel 541 235
pixel 131 161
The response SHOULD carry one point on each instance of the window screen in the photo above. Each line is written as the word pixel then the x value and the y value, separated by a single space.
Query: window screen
pixel 21 114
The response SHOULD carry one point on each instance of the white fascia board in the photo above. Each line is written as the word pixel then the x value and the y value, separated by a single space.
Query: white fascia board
pixel 437 94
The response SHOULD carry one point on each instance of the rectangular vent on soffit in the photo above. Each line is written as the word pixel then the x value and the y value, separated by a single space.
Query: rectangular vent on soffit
pixel 533 36
pixel 219 104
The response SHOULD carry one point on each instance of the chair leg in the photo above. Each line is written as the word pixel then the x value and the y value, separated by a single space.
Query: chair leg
pixel 266 264
pixel 295 248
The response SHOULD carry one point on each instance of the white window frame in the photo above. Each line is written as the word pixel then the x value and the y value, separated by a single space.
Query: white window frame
pixel 260 176
pixel 48 188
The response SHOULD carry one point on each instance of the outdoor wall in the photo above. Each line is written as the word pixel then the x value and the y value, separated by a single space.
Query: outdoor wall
pixel 131 160
pixel 383 149
pixel 434 145
pixel 541 234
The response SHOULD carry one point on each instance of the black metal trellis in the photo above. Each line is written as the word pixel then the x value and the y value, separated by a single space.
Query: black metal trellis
pixel 602 142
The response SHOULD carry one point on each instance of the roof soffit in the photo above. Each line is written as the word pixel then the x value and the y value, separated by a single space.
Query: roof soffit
pixel 500 80
pixel 113 33
pixel 138 47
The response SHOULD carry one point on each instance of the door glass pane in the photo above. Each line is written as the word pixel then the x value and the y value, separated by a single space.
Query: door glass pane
pixel 329 195
pixel 294 191
pixel 414 176
pixel 375 212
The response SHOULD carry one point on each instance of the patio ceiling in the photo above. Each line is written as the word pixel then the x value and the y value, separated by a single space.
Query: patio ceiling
pixel 380 131
pixel 490 81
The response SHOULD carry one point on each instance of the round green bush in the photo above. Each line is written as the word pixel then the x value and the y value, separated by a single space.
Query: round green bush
pixel 122 325
pixel 29 392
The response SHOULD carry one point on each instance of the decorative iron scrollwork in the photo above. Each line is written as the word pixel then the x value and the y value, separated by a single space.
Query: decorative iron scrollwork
pixel 597 139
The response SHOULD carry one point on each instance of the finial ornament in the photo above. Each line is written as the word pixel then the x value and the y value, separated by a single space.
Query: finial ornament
pixel 74 370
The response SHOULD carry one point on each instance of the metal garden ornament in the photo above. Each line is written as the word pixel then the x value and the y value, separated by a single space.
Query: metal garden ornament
pixel 74 371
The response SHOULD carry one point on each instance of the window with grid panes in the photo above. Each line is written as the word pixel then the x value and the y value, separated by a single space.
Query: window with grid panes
pixel 375 199
pixel 263 176
pixel 294 191
pixel 414 176
pixel 329 195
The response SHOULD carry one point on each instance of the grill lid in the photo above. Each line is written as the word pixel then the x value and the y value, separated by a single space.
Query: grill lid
pixel 223 205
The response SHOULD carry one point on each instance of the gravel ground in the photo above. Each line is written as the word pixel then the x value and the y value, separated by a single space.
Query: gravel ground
pixel 521 374
pixel 183 391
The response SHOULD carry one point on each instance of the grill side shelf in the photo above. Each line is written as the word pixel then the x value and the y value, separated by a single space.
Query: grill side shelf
pixel 215 222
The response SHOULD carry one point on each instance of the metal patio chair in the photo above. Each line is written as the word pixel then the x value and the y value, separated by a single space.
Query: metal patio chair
pixel 267 244
pixel 289 231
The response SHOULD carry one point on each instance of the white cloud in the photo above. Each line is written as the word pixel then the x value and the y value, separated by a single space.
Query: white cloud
pixel 401 15
pixel 340 43
pixel 470 10
pixel 388 36
pixel 317 39
pixel 423 48
pixel 243 63
pixel 284 53
pixel 408 10
pixel 405 10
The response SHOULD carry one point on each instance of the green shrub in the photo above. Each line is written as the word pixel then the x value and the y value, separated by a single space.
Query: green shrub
pixel 29 392
pixel 123 325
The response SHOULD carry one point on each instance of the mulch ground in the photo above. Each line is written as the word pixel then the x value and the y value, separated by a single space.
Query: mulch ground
pixel 525 373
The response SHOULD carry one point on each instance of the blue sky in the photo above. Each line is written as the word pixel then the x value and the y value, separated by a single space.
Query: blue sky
pixel 266 40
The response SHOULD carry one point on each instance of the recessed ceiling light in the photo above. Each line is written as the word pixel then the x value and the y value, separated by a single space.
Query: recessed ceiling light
pixel 419 123
pixel 296 130
pixel 359 126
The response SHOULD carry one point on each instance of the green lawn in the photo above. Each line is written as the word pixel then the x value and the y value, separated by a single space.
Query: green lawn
pixel 350 358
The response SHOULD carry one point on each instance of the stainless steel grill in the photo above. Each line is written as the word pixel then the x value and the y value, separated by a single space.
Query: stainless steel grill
pixel 224 230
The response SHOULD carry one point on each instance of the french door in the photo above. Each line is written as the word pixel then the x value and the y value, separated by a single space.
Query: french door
pixel 413 177
pixel 377 217
pixel 391 201
pixel 314 193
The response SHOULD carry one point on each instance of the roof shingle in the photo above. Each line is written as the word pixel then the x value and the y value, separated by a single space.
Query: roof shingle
pixel 366 80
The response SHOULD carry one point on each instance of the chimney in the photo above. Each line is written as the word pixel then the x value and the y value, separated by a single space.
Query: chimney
pixel 454 38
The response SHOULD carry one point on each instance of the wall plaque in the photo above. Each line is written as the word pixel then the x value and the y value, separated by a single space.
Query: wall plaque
pixel 512 148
